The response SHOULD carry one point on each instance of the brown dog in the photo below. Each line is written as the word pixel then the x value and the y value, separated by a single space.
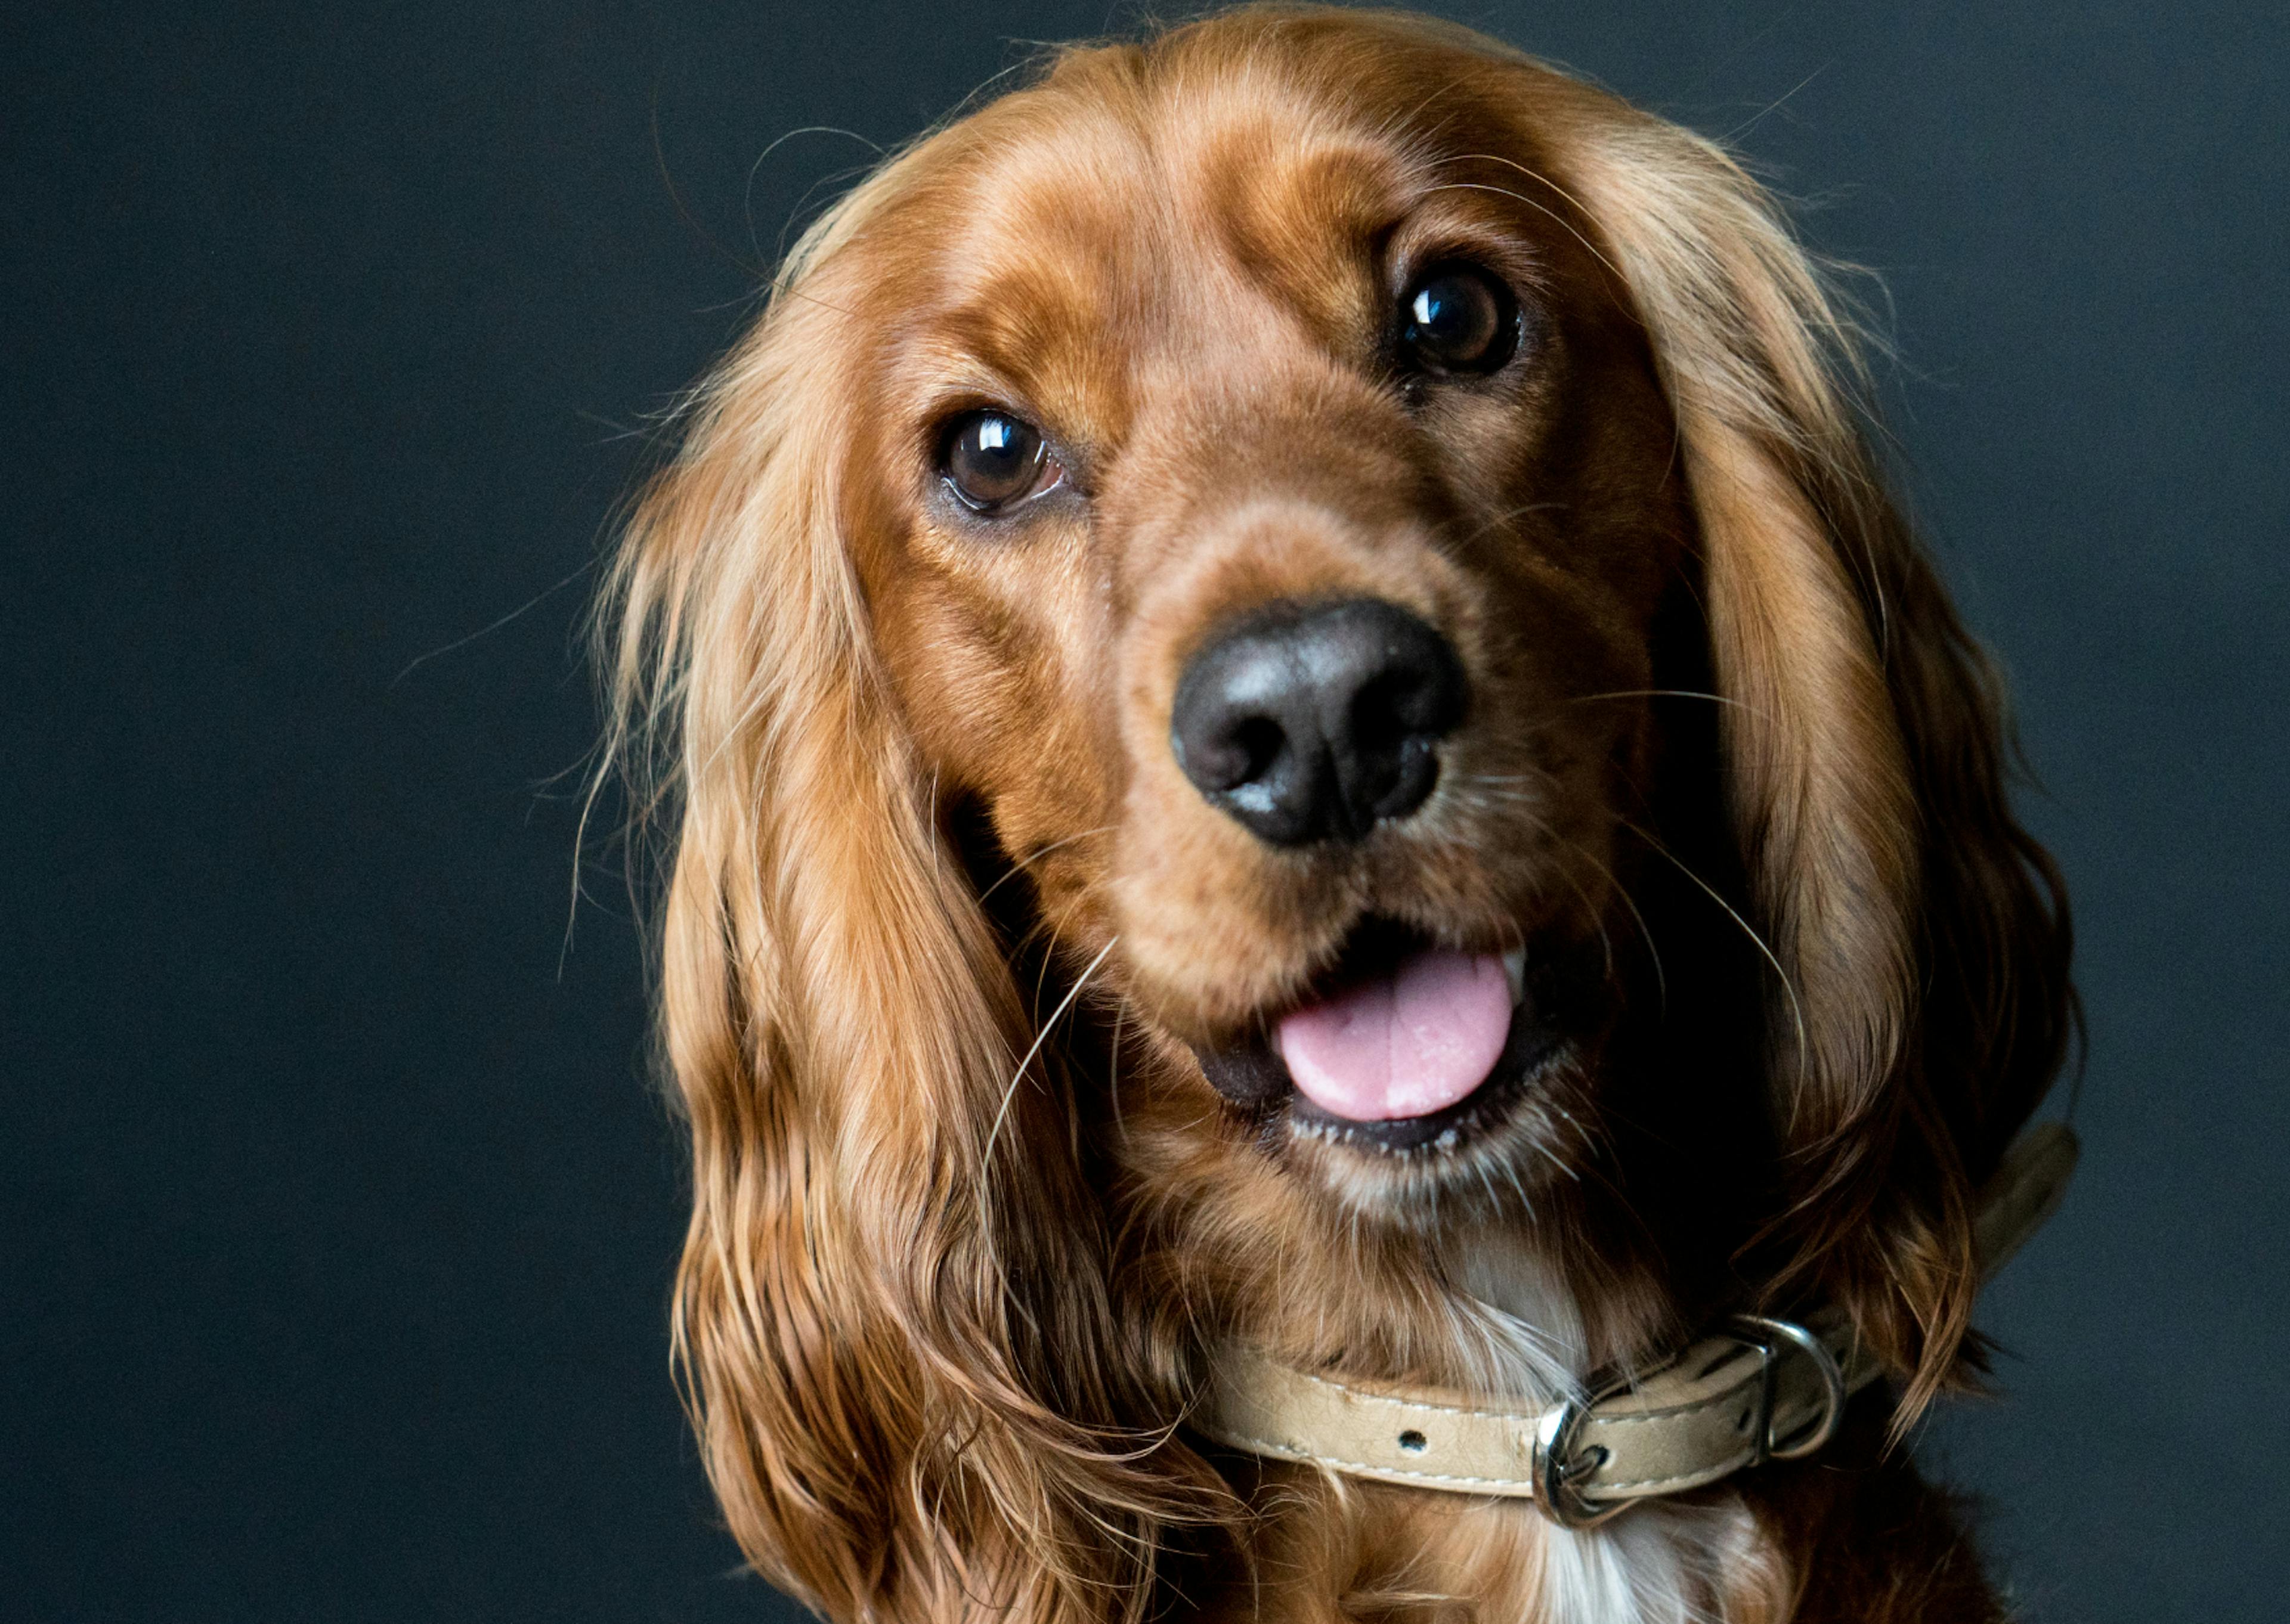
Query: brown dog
pixel 1299 716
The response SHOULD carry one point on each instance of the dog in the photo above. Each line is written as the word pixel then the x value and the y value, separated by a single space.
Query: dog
pixel 1295 717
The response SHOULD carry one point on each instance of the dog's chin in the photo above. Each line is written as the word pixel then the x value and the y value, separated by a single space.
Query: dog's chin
pixel 1499 1144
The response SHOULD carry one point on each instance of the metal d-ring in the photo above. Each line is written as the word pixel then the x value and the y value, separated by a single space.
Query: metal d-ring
pixel 1558 1461
pixel 1757 1330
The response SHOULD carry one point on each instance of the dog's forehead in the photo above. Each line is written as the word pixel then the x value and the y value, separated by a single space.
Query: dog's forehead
pixel 1100 237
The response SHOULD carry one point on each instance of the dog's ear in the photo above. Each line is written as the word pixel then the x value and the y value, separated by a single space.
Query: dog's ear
pixel 892 1310
pixel 1917 941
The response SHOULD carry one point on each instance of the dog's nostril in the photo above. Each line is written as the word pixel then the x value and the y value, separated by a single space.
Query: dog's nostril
pixel 1258 741
pixel 1230 760
pixel 1315 722
pixel 1388 718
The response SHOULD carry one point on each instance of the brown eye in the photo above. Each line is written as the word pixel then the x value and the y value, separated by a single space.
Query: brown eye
pixel 1458 319
pixel 992 461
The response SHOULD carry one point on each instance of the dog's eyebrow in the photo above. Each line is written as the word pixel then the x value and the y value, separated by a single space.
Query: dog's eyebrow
pixel 1019 312
pixel 1049 332
pixel 1302 214
pixel 1268 190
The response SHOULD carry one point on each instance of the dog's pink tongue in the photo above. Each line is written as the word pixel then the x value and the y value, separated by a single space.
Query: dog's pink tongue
pixel 1403 1045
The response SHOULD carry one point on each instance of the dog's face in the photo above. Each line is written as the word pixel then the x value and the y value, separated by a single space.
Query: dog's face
pixel 1270 519
pixel 1269 501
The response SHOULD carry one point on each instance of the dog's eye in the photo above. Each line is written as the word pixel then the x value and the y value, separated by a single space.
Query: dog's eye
pixel 1458 319
pixel 992 461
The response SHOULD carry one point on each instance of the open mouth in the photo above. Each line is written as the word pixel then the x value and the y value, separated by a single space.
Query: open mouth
pixel 1405 1045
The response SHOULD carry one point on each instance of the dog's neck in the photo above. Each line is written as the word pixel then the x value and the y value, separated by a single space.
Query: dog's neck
pixel 1528 1319
pixel 1512 1318
pixel 1503 1305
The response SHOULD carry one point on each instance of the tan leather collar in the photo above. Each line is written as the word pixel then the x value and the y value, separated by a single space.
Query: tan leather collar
pixel 1755 1389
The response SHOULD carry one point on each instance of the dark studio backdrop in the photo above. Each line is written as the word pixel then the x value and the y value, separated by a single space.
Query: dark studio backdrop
pixel 337 1214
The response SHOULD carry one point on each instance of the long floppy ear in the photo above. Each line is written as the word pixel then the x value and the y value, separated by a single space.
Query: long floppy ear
pixel 892 1310
pixel 1919 939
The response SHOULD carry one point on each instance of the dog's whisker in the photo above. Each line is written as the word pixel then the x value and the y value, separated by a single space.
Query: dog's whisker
pixel 1796 1008
pixel 1613 881
pixel 986 1160
pixel 1037 854
pixel 1506 516
pixel 1565 224
pixel 931 818
pixel 1055 935
pixel 1487 1184
pixel 1553 1157
pixel 1113 1073
pixel 1668 693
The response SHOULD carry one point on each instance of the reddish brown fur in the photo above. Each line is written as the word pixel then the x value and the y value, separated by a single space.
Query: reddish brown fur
pixel 941 1318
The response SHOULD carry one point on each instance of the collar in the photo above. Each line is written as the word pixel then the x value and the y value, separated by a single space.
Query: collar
pixel 1754 1389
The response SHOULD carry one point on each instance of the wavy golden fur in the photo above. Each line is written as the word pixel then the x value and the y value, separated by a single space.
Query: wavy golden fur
pixel 947 926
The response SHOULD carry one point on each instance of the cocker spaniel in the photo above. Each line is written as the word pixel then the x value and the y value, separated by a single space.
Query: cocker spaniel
pixel 1313 783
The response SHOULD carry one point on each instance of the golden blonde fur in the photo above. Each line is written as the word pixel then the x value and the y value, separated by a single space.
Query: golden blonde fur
pixel 944 923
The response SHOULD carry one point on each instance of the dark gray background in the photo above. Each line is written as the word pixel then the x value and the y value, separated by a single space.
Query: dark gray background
pixel 336 1219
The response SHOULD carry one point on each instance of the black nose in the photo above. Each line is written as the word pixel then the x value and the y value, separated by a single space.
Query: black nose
pixel 1317 722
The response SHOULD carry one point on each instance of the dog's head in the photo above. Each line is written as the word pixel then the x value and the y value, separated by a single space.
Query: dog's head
pixel 1287 633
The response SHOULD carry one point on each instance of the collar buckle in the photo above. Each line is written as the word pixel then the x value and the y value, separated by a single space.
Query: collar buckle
pixel 1560 1460
pixel 1556 1460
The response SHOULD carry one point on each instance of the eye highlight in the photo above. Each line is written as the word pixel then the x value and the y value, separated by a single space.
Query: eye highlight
pixel 993 462
pixel 1457 320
